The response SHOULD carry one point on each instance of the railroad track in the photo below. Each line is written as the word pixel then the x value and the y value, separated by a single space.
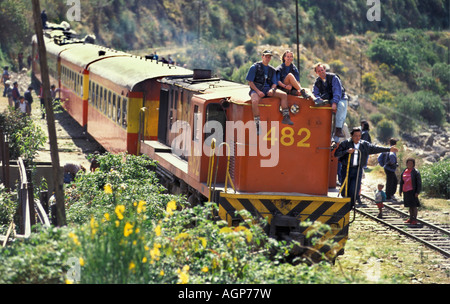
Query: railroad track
pixel 434 236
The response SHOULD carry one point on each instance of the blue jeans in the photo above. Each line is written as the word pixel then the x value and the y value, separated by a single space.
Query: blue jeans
pixel 341 113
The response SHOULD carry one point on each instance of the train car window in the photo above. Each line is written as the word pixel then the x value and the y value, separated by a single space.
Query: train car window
pixel 100 100
pixel 105 101
pixel 108 110
pixel 81 85
pixel 197 125
pixel 113 109
pixel 95 94
pixel 216 113
pixel 90 92
pixel 124 112
pixel 119 99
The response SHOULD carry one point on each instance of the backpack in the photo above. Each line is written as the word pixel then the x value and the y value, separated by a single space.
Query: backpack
pixel 382 158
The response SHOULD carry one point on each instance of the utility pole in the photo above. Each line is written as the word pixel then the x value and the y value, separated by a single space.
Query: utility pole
pixel 57 173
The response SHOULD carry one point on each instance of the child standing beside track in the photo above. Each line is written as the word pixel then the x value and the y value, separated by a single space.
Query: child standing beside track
pixel 380 197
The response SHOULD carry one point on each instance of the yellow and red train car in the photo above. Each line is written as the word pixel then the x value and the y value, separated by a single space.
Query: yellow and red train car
pixel 201 132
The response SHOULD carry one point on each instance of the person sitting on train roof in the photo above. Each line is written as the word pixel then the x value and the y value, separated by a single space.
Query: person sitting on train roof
pixel 358 150
pixel 328 86
pixel 288 76
pixel 262 80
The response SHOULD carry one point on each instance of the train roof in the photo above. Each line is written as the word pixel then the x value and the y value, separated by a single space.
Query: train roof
pixel 132 70
pixel 83 55
pixel 212 88
pixel 119 67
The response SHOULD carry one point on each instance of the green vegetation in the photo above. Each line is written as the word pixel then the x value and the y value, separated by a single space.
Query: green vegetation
pixel 123 229
pixel 436 179
pixel 25 137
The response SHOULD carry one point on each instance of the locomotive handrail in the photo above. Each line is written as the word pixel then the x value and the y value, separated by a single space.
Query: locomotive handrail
pixel 211 165
pixel 227 175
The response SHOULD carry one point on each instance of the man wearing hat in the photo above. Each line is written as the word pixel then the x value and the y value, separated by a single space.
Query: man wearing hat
pixel 353 154
pixel 262 80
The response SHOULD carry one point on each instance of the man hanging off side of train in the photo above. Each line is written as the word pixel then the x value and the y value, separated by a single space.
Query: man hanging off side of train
pixel 262 80
pixel 353 154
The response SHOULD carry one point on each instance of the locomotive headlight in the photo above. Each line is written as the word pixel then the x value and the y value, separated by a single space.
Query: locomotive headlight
pixel 295 109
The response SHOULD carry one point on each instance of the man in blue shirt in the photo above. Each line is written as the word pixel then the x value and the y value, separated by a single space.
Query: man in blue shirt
pixel 328 86
pixel 262 80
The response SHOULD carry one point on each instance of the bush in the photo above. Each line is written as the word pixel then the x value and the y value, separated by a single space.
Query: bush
pixel 369 82
pixel 385 130
pixel 25 137
pixel 383 97
pixel 436 179
pixel 376 118
pixel 433 110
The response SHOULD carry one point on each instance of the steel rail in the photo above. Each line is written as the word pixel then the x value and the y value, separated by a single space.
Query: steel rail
pixel 403 231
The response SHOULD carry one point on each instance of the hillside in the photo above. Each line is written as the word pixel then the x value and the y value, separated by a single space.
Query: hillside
pixel 396 69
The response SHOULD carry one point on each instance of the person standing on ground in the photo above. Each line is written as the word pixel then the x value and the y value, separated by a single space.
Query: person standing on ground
pixel 411 186
pixel 5 78
pixel 390 167
pixel 29 99
pixel 353 154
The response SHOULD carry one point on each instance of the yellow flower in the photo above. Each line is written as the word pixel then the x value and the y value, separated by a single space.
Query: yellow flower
pixel 120 209
pixel 117 223
pixel 182 235
pixel 141 207
pixel 225 230
pixel 94 226
pixel 158 230
pixel 144 260
pixel 106 215
pixel 184 277
pixel 81 262
pixel 205 269
pixel 155 253
pixel 128 229
pixel 108 189
pixel 171 206
pixel 68 281
pixel 131 266
pixel 74 238
pixel 161 273
pixel 247 232
pixel 203 240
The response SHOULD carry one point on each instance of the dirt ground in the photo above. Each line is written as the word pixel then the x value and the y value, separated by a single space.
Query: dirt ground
pixel 74 144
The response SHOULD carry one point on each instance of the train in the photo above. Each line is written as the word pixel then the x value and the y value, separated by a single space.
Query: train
pixel 200 130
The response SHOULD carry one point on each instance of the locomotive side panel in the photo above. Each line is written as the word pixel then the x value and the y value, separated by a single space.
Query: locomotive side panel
pixel 298 155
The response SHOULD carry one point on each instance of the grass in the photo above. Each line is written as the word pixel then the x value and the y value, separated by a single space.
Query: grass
pixel 383 256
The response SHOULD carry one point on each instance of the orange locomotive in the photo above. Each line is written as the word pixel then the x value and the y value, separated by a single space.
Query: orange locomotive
pixel 200 129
